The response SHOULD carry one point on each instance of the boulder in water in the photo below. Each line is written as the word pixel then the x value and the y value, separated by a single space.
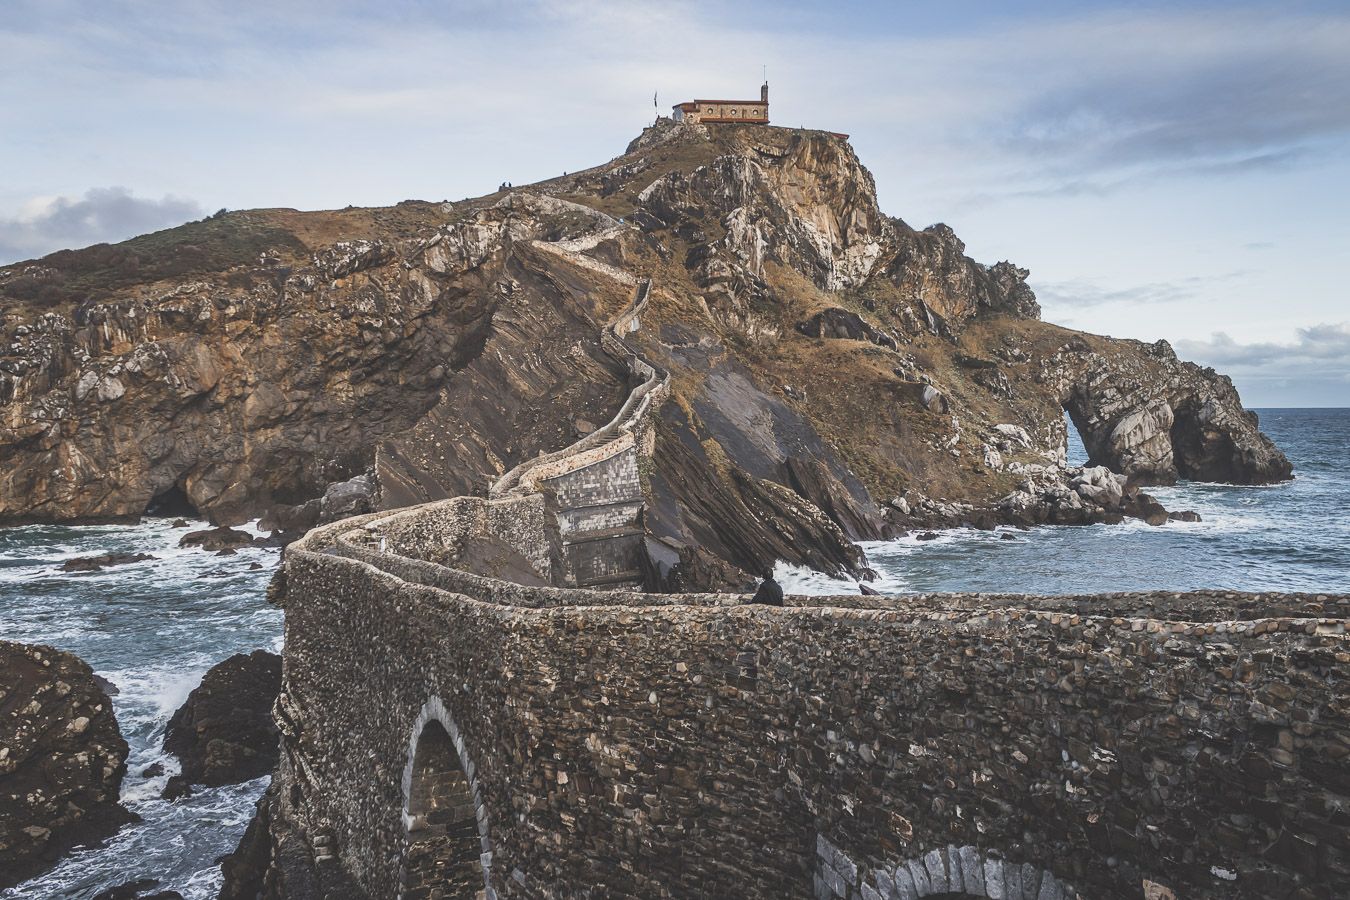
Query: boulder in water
pixel 1140 505
pixel 61 759
pixel 292 519
pixel 141 889
pixel 221 538
pixel 224 733
pixel 102 561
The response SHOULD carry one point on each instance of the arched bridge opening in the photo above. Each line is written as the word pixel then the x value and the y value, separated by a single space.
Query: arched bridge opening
pixel 442 860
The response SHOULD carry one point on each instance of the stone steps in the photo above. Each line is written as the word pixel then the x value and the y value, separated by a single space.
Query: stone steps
pixel 603 534
pixel 632 579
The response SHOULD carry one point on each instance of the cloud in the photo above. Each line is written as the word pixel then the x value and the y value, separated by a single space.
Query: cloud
pixel 1322 349
pixel 1190 83
pixel 46 224
pixel 1043 102
pixel 1084 292
pixel 1099 103
pixel 1311 370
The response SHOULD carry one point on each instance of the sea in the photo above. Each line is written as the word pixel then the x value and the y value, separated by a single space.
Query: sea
pixel 152 628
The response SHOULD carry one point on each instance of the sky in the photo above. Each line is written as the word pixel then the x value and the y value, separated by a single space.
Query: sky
pixel 1165 170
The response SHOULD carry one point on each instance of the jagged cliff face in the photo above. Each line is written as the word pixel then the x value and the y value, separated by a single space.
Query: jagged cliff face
pixel 824 358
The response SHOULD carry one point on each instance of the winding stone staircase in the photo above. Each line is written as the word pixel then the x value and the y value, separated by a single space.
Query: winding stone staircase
pixel 593 487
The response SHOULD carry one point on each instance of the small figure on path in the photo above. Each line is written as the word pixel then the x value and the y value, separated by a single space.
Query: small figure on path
pixel 770 592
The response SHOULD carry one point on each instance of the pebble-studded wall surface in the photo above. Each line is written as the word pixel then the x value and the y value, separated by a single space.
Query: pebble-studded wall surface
pixel 1187 745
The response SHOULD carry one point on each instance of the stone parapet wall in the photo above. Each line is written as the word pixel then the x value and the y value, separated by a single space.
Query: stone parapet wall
pixel 410 557
pixel 597 478
pixel 633 745
pixel 438 532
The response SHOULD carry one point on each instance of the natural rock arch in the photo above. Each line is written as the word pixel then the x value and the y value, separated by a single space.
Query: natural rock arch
pixel 447 853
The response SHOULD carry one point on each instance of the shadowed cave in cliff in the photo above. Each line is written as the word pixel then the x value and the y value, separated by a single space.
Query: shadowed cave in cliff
pixel 442 859
pixel 172 503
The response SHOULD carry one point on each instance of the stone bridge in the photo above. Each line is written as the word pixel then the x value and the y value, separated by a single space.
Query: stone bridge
pixel 464 714
pixel 447 727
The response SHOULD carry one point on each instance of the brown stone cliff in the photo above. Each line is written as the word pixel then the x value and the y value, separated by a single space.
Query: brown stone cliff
pixel 818 350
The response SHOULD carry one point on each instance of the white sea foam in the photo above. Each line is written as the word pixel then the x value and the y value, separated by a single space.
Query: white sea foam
pixel 152 629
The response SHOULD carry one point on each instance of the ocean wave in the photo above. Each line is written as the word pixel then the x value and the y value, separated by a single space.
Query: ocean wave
pixel 176 843
pixel 152 629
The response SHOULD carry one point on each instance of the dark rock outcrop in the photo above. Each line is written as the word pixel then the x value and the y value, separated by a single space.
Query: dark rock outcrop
pixel 103 561
pixel 842 323
pixel 61 759
pixel 222 538
pixel 348 498
pixel 292 519
pixel 224 733
pixel 275 862
pixel 1139 505
pixel 141 889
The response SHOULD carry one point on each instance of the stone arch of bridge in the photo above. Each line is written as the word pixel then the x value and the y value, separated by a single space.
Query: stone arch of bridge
pixel 447 848
pixel 944 872
pixel 955 872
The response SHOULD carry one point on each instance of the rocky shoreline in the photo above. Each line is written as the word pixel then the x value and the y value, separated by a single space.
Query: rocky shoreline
pixel 63 759
pixel 1047 495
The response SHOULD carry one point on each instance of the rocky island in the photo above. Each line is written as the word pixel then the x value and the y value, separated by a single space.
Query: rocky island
pixel 537 442
pixel 302 366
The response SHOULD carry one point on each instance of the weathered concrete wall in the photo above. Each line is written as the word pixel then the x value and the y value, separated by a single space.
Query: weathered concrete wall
pixel 626 745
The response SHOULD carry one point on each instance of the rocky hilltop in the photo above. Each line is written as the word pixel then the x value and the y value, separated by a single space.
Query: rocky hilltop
pixel 835 374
